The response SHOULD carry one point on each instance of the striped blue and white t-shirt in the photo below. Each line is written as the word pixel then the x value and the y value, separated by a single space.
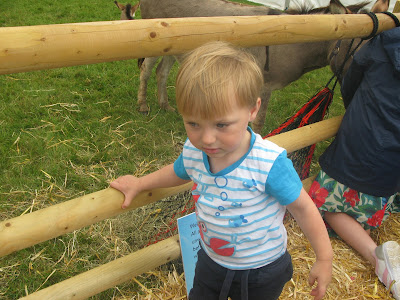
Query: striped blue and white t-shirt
pixel 240 209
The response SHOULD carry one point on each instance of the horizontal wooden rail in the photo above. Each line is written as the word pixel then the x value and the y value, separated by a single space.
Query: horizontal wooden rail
pixel 40 47
pixel 99 279
pixel 305 136
pixel 39 226
pixel 111 274
pixel 50 222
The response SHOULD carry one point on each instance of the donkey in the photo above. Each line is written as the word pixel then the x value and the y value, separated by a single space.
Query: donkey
pixel 282 64
pixel 127 11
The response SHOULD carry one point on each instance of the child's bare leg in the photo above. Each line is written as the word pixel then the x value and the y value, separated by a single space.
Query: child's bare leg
pixel 353 234
pixel 386 260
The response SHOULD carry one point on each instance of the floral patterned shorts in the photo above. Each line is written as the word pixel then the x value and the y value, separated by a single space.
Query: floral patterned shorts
pixel 369 211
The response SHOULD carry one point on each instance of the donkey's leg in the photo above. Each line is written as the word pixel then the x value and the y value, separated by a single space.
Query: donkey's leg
pixel 163 69
pixel 258 123
pixel 145 73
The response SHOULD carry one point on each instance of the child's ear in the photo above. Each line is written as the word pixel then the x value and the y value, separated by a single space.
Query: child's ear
pixel 254 110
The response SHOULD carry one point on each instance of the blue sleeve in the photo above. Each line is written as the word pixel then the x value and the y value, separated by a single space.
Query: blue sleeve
pixel 179 168
pixel 283 183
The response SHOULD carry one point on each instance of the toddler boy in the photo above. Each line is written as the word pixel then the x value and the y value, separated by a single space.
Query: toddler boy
pixel 242 183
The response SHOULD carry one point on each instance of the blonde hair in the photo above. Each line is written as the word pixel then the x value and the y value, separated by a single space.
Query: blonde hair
pixel 211 75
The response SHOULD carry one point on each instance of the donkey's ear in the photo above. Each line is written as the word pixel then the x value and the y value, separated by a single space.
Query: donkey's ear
pixel 134 8
pixel 336 7
pixel 380 6
pixel 119 5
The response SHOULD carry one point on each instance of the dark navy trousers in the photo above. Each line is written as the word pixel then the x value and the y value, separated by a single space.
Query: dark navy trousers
pixel 212 281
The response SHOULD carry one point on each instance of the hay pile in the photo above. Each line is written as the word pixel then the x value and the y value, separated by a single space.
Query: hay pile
pixel 353 278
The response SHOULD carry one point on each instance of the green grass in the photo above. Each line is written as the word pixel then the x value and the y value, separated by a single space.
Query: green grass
pixel 68 132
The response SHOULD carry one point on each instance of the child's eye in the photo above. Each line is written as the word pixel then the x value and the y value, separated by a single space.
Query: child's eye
pixel 193 124
pixel 222 125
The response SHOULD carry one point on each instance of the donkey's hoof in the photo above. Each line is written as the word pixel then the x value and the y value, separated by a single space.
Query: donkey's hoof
pixel 144 109
pixel 168 108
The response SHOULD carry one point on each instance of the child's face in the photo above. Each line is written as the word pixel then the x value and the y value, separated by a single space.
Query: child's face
pixel 225 137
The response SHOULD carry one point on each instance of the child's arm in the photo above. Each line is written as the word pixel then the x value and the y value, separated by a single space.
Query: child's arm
pixel 130 185
pixel 307 216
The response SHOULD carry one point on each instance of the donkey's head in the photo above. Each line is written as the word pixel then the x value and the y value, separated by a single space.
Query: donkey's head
pixel 127 11
pixel 342 48
pixel 334 7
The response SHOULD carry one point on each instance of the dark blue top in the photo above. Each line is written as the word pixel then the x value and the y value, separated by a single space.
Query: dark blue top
pixel 365 154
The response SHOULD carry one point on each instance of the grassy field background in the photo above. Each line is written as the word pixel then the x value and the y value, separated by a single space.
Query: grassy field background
pixel 68 132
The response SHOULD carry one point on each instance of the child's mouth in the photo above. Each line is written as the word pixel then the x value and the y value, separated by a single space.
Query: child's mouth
pixel 211 150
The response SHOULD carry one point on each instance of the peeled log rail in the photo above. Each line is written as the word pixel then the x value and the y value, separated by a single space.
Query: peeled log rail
pixel 117 271
pixel 106 276
pixel 39 226
pixel 52 46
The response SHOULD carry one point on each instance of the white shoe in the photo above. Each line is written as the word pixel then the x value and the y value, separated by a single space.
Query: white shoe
pixel 388 266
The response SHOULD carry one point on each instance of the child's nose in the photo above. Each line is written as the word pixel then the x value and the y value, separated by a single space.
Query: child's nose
pixel 208 137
